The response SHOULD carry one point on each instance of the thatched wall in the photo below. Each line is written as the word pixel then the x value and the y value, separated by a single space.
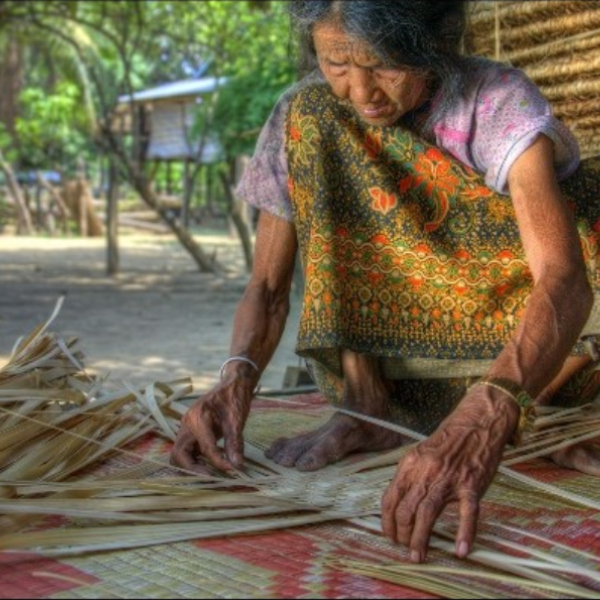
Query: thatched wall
pixel 557 43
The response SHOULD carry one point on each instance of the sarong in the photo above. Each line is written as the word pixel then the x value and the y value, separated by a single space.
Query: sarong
pixel 408 255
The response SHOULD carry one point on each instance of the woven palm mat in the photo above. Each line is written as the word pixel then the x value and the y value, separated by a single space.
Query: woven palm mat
pixel 303 562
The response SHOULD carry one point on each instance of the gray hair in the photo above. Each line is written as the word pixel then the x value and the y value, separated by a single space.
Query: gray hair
pixel 424 35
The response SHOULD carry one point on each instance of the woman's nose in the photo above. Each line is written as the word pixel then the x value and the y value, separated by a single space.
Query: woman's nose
pixel 362 85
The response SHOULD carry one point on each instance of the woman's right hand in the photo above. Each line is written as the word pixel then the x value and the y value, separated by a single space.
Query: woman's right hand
pixel 221 413
pixel 257 328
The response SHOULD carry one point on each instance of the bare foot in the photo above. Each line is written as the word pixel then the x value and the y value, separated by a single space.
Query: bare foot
pixel 583 457
pixel 365 392
pixel 340 436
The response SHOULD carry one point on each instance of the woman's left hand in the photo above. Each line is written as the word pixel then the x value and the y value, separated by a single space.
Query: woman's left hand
pixel 455 464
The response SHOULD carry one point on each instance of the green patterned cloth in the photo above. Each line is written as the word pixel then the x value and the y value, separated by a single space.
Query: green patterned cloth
pixel 407 254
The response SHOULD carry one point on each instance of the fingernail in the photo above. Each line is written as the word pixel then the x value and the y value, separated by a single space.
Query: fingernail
pixel 463 550
pixel 415 556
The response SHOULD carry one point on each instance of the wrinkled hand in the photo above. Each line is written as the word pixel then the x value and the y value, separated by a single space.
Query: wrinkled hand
pixel 456 464
pixel 222 413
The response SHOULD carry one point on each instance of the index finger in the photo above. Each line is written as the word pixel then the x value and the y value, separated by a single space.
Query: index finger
pixel 207 443
pixel 200 425
pixel 182 454
pixel 429 509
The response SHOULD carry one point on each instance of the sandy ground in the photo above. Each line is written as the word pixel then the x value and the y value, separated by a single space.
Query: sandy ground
pixel 159 319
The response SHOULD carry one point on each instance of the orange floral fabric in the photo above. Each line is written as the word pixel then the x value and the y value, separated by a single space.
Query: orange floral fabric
pixel 406 251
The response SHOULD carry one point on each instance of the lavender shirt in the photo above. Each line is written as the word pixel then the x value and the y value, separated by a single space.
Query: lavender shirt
pixel 498 116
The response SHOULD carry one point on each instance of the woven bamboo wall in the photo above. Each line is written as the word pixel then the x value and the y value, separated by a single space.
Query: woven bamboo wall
pixel 557 43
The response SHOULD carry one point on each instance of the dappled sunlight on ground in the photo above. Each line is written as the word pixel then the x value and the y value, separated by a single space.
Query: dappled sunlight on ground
pixel 159 319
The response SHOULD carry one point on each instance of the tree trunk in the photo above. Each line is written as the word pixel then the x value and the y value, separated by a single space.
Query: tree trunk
pixel 206 264
pixel 11 83
pixel 136 178
pixel 24 225
pixel 187 195
pixel 112 216
pixel 240 223
pixel 82 211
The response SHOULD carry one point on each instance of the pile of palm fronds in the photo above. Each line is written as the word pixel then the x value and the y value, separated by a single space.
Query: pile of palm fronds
pixel 59 426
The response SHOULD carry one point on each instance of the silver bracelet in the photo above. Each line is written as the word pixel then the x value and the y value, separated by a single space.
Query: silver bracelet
pixel 236 358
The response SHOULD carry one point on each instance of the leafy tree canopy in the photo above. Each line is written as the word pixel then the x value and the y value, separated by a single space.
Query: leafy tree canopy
pixel 80 56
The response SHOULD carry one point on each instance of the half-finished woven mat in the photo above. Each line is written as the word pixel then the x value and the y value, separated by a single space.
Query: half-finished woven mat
pixel 301 562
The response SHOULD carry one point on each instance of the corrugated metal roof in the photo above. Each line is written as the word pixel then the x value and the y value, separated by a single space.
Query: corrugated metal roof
pixel 177 89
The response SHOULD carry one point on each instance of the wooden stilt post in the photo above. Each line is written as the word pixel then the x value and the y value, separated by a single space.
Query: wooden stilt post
pixel 112 217
pixel 186 200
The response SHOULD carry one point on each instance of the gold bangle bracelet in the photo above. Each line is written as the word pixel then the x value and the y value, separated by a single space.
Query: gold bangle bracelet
pixel 520 396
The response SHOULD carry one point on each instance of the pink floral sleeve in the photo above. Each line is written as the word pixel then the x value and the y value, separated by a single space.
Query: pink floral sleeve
pixel 264 182
pixel 499 116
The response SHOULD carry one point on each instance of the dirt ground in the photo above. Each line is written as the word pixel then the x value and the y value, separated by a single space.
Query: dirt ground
pixel 159 319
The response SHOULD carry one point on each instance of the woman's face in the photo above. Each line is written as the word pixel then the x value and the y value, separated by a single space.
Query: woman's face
pixel 380 95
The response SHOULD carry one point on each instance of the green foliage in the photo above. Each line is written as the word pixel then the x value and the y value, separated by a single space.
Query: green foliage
pixel 252 49
pixel 51 126
pixel 82 55
pixel 243 106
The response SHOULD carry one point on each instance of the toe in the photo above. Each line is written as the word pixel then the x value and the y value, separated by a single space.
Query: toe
pixel 325 451
pixel 289 453
pixel 276 447
pixel 313 460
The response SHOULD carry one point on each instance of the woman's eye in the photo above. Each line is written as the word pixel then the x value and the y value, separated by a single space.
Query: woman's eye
pixel 336 67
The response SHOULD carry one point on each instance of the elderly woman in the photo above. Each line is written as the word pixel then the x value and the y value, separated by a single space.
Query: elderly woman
pixel 445 279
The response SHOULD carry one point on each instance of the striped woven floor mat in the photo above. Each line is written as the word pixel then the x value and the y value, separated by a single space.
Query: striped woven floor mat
pixel 532 542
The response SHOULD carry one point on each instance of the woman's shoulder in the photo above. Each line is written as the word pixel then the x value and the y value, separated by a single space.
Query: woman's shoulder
pixel 481 73
pixel 499 113
pixel 490 89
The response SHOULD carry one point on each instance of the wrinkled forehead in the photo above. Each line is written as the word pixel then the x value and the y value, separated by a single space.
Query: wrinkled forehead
pixel 332 41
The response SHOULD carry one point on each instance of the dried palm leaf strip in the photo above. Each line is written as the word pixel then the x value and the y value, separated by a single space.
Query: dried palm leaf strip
pixel 60 542
pixel 159 509
pixel 545 560
pixel 101 447
pixel 532 573
pixel 434 584
pixel 588 556
pixel 434 579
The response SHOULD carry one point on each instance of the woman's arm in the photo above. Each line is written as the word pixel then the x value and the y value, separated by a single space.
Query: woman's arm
pixel 459 460
pixel 561 301
pixel 257 329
